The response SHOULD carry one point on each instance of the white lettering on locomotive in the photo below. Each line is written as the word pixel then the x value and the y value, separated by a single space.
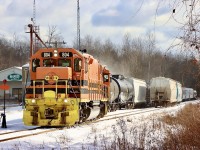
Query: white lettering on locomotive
pixel 46 55
pixel 65 54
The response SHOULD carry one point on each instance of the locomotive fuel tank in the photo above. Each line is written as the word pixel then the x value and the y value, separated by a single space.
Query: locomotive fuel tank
pixel 121 89
pixel 164 91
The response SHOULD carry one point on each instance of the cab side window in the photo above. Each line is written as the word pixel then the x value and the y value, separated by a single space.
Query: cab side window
pixel 64 62
pixel 77 64
pixel 86 66
pixel 35 64
pixel 105 78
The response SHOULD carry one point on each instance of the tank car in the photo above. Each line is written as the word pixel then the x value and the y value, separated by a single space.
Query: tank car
pixel 66 86
pixel 165 91
pixel 122 93
pixel 127 92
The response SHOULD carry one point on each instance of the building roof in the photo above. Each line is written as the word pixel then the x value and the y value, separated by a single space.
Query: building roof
pixel 26 65
pixel 11 74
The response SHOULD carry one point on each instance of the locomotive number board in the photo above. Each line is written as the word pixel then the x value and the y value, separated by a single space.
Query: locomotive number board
pixel 47 54
pixel 65 54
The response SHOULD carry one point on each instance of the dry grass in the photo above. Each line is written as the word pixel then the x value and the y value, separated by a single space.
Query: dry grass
pixel 184 131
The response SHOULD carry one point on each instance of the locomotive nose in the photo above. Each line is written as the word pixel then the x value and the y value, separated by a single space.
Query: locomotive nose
pixel 51 77
pixel 52 74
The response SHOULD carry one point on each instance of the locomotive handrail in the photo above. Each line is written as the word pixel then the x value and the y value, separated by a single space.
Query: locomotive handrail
pixel 42 89
pixel 89 89
pixel 56 90
pixel 66 88
pixel 33 89
pixel 97 90
pixel 56 87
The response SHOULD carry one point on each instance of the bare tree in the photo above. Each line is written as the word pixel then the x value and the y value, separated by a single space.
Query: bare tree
pixel 54 37
pixel 190 23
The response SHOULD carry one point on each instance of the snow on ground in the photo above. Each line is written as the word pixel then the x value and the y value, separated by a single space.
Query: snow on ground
pixel 87 136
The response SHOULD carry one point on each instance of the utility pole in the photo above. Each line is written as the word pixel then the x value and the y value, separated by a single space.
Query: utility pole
pixel 78 26
pixel 35 28
pixel 34 13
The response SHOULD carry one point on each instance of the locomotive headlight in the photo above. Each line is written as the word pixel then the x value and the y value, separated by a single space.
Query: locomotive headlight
pixel 65 100
pixel 55 53
pixel 33 101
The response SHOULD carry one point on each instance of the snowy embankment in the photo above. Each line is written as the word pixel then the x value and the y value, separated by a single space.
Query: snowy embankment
pixel 143 130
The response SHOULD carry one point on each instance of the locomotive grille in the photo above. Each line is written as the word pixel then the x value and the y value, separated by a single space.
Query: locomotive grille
pixel 49 113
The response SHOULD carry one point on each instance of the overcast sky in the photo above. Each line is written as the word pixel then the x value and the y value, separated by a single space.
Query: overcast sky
pixel 99 18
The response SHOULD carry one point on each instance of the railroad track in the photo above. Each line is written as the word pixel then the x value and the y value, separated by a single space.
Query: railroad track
pixel 128 111
pixel 116 116
pixel 18 131
pixel 26 133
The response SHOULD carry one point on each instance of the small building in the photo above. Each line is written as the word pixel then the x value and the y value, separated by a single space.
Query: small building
pixel 13 76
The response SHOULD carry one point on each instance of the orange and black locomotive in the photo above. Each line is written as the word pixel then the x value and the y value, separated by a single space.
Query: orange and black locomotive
pixel 67 86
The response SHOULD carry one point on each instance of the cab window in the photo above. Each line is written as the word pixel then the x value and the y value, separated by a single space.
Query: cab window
pixel 77 64
pixel 64 62
pixel 35 64
pixel 105 78
pixel 86 66
pixel 49 63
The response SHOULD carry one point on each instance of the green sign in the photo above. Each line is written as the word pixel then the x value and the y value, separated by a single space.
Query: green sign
pixel 14 77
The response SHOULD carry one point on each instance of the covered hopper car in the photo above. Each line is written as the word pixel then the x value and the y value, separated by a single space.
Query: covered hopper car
pixel 165 91
pixel 188 94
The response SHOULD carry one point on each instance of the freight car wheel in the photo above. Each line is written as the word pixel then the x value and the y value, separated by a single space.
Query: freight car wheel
pixel 155 104
pixel 132 105
pixel 109 108
pixel 115 107
pixel 166 104
pixel 129 105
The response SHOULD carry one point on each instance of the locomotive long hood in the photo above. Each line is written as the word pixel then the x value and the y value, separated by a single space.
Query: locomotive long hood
pixel 62 73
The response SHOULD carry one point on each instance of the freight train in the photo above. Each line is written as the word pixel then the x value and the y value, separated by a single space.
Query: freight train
pixel 131 92
pixel 69 86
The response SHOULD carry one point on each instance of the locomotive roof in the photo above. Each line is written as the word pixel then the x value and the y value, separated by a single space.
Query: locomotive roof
pixel 58 49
